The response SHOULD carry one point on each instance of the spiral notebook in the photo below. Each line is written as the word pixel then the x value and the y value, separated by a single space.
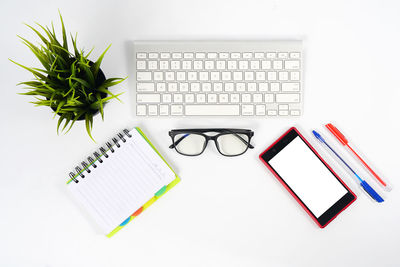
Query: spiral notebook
pixel 123 178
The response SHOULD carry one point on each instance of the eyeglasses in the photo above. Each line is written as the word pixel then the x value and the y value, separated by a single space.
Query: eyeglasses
pixel 193 142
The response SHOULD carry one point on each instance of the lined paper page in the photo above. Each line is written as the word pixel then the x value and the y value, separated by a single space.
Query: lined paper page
pixel 125 181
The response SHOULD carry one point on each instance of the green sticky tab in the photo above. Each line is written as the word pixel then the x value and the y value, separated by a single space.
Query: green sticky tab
pixel 161 191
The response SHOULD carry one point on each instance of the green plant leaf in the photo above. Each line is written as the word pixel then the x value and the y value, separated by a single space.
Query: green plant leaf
pixel 89 124
pixel 81 81
pixel 96 66
pixel 65 42
pixel 88 73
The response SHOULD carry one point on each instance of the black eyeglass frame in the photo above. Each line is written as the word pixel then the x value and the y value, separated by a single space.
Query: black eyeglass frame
pixel 219 131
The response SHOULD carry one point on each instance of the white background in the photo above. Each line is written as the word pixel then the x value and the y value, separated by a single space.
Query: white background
pixel 226 211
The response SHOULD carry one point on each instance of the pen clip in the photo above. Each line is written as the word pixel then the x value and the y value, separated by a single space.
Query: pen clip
pixel 337 133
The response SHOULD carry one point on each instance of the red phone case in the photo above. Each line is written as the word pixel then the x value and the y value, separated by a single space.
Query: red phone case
pixel 291 192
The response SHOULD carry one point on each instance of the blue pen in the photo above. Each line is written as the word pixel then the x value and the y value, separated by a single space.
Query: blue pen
pixel 362 182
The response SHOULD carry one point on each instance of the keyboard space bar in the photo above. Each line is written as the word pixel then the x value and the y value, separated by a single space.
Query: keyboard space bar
pixel 212 110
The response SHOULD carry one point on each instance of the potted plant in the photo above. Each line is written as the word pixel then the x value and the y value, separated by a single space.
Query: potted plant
pixel 73 86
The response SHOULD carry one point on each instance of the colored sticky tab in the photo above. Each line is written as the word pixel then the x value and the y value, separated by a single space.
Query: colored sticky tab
pixel 337 133
pixel 136 213
pixel 161 191
pixel 126 221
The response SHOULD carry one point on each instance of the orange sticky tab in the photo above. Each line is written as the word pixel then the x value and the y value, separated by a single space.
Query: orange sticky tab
pixel 337 133
pixel 136 213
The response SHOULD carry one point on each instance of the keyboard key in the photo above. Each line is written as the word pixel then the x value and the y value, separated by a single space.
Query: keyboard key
pixel 257 98
pixel 195 87
pixel 203 76
pixel 200 98
pixel 164 110
pixel 272 112
pixel 206 87
pixel 295 76
pixel 176 55
pixel 266 64
pixel 152 64
pixel 243 65
pixel 295 112
pixel 285 107
pixel 183 87
pixel 161 87
pixel 223 55
pixel 172 87
pixel 153 110
pixel 249 75
pixel 165 55
pixel 283 112
pixel 200 55
pixel 167 98
pixel 140 65
pixel 235 55
pixel 226 76
pixel 212 98
pixel 214 76
pixel 292 64
pixel 164 65
pixel 277 64
pixel 148 98
pixel 251 87
pixel 246 98
pixel 260 110
pixel 189 98
pixel 238 76
pixel 269 98
pixel 186 65
pixel 143 76
pixel 254 65
pixel 247 110
pixel 212 110
pixel 178 98
pixel 294 55
pixel 275 87
pixel 259 55
pixel 211 55
pixel 141 55
pixel 240 87
pixel 283 55
pixel 232 65
pixel 221 65
pixel 287 98
pixel 290 87
pixel 223 98
pixel 188 55
pixel 192 76
pixel 229 87
pixel 145 87
pixel 181 76
pixel 271 75
pixel 209 65
pixel 247 55
pixel 198 65
pixel 169 76
pixel 283 75
pixel 263 87
pixel 271 55
pixel 175 65
pixel 260 75
pixel 176 110
pixel 158 76
pixel 141 110
pixel 218 87
pixel 235 98
pixel 153 55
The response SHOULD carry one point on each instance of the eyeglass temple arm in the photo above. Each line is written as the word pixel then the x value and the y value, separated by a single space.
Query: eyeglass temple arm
pixel 178 141
pixel 241 139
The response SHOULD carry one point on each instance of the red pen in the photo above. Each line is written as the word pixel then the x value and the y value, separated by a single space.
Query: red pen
pixel 342 139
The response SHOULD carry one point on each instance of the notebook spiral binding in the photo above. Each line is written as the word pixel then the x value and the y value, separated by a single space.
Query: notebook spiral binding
pixel 97 155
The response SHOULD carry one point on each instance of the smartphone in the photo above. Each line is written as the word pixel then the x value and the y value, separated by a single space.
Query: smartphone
pixel 307 177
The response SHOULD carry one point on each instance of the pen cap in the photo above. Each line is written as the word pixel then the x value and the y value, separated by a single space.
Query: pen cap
pixel 337 133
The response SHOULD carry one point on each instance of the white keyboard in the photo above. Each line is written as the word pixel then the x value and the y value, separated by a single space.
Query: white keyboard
pixel 218 78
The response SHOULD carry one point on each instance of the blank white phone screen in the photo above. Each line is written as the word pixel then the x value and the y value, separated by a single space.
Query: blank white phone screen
pixel 308 177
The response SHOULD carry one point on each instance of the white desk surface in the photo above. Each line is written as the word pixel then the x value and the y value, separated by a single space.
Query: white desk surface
pixel 226 211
